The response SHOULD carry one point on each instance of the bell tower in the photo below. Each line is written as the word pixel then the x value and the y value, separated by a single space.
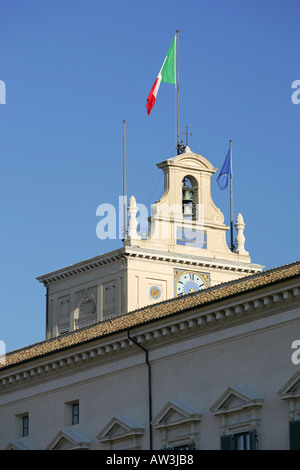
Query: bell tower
pixel 186 220
pixel 186 248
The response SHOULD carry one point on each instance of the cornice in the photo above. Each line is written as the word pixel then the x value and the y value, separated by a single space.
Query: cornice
pixel 82 267
pixel 193 260
pixel 150 254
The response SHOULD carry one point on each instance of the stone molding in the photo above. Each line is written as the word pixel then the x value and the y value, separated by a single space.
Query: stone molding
pixel 121 428
pixel 239 410
pixel 148 254
pixel 178 423
pixel 291 393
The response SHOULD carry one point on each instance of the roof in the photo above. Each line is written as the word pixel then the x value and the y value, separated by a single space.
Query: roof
pixel 152 313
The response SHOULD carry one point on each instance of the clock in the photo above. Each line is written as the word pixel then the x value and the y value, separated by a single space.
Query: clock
pixel 190 281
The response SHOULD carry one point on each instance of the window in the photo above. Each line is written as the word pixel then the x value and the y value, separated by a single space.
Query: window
pixel 294 435
pixel 291 393
pixel 241 441
pixel 179 426
pixel 71 413
pixel 75 413
pixel 189 197
pixel 240 413
pixel 188 446
pixel 25 426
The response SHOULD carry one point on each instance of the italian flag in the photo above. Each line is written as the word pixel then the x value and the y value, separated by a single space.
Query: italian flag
pixel 167 74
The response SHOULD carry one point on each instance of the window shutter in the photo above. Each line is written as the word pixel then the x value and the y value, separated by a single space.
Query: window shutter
pixel 227 442
pixel 295 435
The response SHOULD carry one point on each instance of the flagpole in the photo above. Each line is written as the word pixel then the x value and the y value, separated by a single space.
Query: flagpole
pixel 231 200
pixel 124 185
pixel 177 85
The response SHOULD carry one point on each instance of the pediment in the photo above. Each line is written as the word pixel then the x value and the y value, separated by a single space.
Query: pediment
pixel 68 440
pixel 235 399
pixel 63 444
pixel 174 413
pixel 19 445
pixel 291 389
pixel 120 427
pixel 189 159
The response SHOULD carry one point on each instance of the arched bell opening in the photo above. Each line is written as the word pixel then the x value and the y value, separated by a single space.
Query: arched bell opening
pixel 189 197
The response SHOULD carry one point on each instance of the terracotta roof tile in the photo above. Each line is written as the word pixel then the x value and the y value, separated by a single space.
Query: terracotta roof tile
pixel 152 313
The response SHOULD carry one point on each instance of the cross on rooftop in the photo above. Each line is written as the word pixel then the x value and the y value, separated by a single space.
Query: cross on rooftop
pixel 187 135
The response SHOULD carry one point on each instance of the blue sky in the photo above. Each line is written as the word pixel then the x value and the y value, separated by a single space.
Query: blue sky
pixel 75 69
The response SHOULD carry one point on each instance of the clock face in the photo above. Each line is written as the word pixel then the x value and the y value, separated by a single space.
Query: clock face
pixel 188 282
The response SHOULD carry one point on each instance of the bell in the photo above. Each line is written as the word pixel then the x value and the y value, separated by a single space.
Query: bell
pixel 187 196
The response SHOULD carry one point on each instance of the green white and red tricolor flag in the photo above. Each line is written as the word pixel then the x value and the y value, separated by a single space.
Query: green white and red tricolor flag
pixel 167 74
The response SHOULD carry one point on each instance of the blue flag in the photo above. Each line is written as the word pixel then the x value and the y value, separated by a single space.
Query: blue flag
pixel 222 179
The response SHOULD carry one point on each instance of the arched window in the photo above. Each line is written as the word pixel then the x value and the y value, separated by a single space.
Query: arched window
pixel 189 197
pixel 86 311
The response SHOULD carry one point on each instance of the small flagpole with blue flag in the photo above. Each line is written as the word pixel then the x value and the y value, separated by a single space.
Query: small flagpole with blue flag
pixel 222 180
pixel 231 200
